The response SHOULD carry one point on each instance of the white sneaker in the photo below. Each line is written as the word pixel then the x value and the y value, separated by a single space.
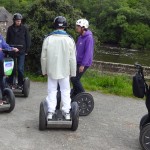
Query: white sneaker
pixel 50 116
pixel 67 116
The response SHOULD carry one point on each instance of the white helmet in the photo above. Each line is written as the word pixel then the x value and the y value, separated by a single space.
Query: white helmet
pixel 83 23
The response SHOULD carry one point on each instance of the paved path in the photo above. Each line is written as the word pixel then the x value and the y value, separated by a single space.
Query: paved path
pixel 113 125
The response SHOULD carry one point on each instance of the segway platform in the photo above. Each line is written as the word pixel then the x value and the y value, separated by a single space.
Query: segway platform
pixel 4 107
pixel 58 120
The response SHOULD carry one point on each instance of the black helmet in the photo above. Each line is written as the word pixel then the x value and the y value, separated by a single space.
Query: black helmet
pixel 60 22
pixel 17 16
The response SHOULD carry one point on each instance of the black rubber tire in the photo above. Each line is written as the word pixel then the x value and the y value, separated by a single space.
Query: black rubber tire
pixel 144 120
pixel 42 118
pixel 85 102
pixel 10 99
pixel 74 115
pixel 145 137
pixel 26 87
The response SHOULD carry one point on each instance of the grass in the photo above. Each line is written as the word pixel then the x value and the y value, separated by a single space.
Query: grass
pixel 95 81
pixel 36 78
pixel 108 83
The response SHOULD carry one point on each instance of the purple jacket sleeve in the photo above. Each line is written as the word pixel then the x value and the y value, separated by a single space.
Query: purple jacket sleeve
pixel 88 54
pixel 5 45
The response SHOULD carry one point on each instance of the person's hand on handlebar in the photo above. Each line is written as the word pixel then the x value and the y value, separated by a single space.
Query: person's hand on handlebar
pixel 15 49
pixel 0 49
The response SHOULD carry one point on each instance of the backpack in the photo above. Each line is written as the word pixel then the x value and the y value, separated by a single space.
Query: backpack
pixel 138 86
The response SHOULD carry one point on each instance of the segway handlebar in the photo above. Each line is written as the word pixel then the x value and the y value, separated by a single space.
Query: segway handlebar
pixel 17 46
pixel 7 51
pixel 138 66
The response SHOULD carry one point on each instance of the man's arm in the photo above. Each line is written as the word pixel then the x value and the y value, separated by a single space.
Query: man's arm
pixel 5 45
pixel 88 54
pixel 44 57
pixel 73 63
pixel 8 36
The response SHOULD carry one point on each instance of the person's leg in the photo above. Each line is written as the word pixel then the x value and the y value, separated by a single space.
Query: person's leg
pixel 20 64
pixel 1 79
pixel 77 86
pixel 51 98
pixel 65 94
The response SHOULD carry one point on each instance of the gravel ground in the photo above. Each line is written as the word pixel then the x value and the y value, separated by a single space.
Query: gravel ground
pixel 113 125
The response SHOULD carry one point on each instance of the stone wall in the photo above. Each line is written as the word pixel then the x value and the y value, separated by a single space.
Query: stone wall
pixel 118 68
pixel 6 19
pixel 3 28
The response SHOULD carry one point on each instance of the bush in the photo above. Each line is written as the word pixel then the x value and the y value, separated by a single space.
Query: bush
pixel 40 20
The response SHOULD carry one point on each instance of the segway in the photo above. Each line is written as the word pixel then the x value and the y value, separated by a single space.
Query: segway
pixel 141 89
pixel 11 55
pixel 58 120
pixel 8 97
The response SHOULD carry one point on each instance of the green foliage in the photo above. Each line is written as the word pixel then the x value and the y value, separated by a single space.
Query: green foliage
pixel 40 19
pixel 120 22
pixel 16 5
pixel 125 23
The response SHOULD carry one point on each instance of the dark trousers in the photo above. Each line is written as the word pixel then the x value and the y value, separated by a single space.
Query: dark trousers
pixel 20 70
pixel 77 86
pixel 1 77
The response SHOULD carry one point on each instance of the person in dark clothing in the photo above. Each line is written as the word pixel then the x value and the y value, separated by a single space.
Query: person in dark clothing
pixel 17 34
pixel 85 49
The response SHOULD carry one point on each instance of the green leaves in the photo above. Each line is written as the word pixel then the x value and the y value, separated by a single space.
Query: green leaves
pixel 40 18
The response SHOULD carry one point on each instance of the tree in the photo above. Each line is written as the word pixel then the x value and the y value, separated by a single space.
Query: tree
pixel 40 18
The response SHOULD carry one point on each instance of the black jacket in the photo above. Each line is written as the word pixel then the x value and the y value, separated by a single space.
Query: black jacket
pixel 19 36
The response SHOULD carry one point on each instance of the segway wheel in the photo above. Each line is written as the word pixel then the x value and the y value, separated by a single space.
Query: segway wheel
pixel 42 118
pixel 145 137
pixel 74 115
pixel 85 102
pixel 26 87
pixel 9 98
pixel 144 120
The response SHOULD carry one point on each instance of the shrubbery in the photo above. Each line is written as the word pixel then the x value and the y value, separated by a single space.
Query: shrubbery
pixel 124 23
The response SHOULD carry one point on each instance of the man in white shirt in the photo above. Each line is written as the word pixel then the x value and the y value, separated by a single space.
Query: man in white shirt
pixel 58 62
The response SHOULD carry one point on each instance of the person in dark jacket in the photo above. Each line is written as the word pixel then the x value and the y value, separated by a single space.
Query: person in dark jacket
pixel 17 34
pixel 85 49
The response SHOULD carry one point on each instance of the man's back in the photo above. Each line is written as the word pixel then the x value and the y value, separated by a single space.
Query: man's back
pixel 60 54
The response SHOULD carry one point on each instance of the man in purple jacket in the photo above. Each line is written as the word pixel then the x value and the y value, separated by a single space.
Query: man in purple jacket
pixel 85 49
pixel 3 45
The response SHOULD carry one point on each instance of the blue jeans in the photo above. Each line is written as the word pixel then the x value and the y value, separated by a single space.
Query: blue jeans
pixel 20 70
pixel 77 86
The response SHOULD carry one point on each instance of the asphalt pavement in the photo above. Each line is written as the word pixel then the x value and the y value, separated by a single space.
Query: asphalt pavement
pixel 113 125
